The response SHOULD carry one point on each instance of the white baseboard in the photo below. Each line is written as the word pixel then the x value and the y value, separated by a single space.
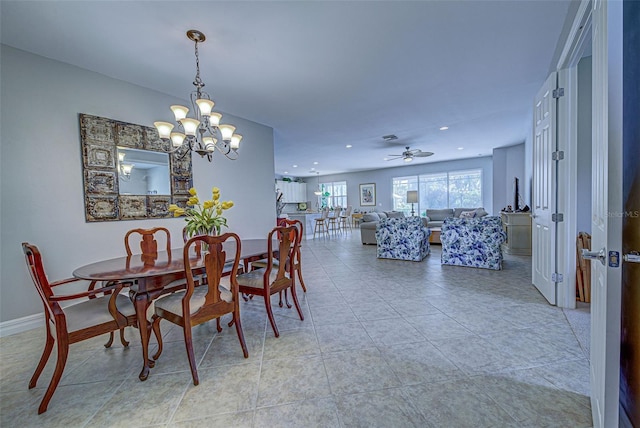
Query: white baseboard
pixel 18 325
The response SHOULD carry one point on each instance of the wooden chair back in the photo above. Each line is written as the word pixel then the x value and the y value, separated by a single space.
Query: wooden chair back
pixel 288 241
pixel 148 242
pixel 214 269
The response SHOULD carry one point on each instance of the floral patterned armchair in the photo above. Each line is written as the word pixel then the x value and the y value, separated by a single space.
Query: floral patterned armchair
pixel 473 242
pixel 402 239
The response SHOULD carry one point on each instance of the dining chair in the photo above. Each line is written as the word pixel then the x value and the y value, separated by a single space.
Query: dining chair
pixel 97 311
pixel 321 223
pixel 344 220
pixel 273 279
pixel 262 263
pixel 197 305
pixel 149 251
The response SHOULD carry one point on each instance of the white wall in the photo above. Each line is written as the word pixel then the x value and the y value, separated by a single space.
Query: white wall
pixel 508 163
pixel 384 181
pixel 41 174
pixel 583 185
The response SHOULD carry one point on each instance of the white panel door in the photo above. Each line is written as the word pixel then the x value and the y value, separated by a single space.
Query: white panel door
pixel 543 231
pixel 606 194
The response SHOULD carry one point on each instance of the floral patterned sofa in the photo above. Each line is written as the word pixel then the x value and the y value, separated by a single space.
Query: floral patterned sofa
pixel 473 242
pixel 402 239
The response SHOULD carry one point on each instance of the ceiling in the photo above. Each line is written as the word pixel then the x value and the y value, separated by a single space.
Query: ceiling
pixel 323 74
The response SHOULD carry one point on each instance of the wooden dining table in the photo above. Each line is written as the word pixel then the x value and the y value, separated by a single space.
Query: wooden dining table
pixel 152 274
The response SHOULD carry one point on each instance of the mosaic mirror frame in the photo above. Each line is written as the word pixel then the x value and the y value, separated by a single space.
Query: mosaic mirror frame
pixel 100 137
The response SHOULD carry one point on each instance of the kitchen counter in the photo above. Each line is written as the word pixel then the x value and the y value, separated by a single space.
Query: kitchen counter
pixel 307 218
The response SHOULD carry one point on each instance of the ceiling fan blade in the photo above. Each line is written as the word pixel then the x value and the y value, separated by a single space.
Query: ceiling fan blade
pixel 394 157
pixel 421 154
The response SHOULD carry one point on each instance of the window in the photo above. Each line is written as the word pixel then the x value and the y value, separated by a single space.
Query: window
pixel 333 194
pixel 453 189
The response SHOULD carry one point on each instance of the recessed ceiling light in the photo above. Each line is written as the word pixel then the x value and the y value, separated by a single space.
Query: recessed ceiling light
pixel 460 148
pixel 385 159
pixel 315 163
pixel 444 128
pixel 313 169
pixel 348 146
pixel 286 172
pixel 295 166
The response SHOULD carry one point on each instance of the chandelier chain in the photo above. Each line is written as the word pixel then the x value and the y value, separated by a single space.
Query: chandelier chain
pixel 198 81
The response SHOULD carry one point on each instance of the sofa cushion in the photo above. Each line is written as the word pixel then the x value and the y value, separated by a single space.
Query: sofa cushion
pixel 467 214
pixel 439 215
pixel 394 214
pixel 382 215
pixel 372 216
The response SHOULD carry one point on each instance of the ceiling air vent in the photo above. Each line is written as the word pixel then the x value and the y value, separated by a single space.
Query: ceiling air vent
pixel 389 137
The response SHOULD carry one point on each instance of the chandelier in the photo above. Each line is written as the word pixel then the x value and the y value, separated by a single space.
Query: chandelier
pixel 202 134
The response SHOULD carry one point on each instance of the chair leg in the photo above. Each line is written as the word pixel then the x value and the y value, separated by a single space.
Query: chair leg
pixel 110 341
pixel 267 304
pixel 156 330
pixel 236 319
pixel 188 342
pixel 63 351
pixel 299 269
pixel 46 353
pixel 295 301
pixel 124 341
pixel 218 327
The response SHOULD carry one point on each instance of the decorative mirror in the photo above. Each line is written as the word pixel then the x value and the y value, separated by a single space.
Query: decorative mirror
pixel 127 174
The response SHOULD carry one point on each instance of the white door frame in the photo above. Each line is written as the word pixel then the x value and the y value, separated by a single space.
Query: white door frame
pixel 568 143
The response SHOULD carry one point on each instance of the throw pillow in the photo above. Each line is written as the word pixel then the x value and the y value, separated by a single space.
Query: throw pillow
pixel 480 212
pixel 467 214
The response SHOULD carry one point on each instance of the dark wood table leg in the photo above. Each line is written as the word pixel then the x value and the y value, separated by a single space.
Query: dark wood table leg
pixel 141 302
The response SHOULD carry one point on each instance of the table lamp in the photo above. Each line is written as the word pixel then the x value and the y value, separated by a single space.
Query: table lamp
pixel 412 198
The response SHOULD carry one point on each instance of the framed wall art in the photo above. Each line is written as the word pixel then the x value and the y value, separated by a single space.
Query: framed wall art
pixel 367 194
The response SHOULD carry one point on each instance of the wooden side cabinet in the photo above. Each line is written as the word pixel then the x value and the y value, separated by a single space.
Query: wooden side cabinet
pixel 518 229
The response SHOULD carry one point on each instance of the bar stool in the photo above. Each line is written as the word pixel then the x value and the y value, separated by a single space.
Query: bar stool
pixel 334 225
pixel 321 224
pixel 345 219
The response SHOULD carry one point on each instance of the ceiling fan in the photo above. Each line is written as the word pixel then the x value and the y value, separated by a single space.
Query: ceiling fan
pixel 409 154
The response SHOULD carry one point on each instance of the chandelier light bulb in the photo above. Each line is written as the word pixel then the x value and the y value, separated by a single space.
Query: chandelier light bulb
pixel 126 168
pixel 177 138
pixel 209 142
pixel 205 106
pixel 164 129
pixel 180 112
pixel 235 141
pixel 227 132
pixel 121 156
pixel 214 119
pixel 190 126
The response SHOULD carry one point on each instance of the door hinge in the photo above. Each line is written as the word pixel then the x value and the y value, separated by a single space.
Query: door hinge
pixel 558 155
pixel 557 217
pixel 557 93
pixel 557 277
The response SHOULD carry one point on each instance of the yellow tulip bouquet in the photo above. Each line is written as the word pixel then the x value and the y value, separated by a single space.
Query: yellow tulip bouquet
pixel 204 218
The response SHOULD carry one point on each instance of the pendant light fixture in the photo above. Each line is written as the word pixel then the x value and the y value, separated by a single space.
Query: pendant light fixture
pixel 204 133
pixel 318 191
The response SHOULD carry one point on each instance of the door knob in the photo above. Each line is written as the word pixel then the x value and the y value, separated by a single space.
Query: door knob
pixel 632 257
pixel 595 255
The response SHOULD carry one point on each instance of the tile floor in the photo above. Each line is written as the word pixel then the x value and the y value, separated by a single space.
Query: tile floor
pixel 384 343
